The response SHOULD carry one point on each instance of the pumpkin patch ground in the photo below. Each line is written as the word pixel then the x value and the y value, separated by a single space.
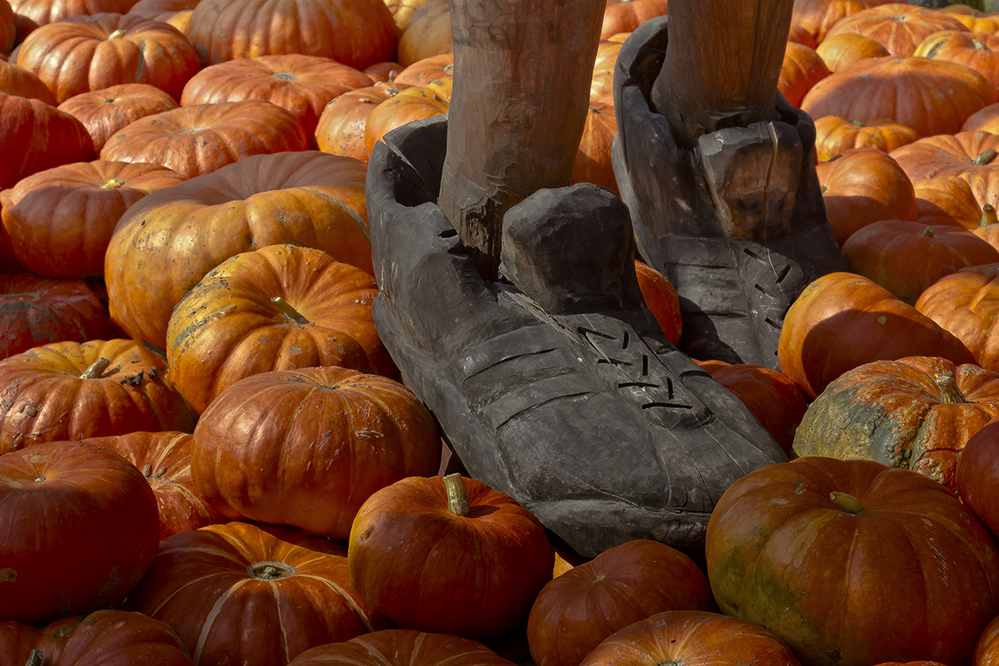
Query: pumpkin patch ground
pixel 547 333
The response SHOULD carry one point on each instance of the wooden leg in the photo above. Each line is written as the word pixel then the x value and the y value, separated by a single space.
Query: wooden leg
pixel 722 64
pixel 522 75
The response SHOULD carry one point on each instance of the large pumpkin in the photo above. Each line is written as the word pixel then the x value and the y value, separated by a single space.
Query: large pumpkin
pixel 104 112
pixel 977 50
pixel 966 303
pixel 853 563
pixel 341 126
pixel 818 16
pixel 401 647
pixel 977 477
pixel 899 26
pixel 252 595
pixel 78 529
pixel 307 447
pixel 164 245
pixel 963 153
pixel 16 80
pixel 835 134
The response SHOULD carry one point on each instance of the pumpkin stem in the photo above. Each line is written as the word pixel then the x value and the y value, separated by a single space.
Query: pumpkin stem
pixel 985 157
pixel 857 123
pixel 270 570
pixel 116 34
pixel 988 216
pixel 848 503
pixel 949 392
pixel 112 184
pixel 930 232
pixel 288 311
pixel 96 368
pixel 457 496
pixel 35 658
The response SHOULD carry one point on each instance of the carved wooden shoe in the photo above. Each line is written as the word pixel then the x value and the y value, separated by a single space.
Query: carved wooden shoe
pixel 737 224
pixel 554 385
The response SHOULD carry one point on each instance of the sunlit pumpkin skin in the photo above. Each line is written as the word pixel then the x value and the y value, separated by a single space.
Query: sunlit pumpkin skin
pixel 401 10
pixel 976 478
pixel 15 80
pixel 292 591
pixel 802 68
pixel 977 50
pixel 843 320
pixel 199 139
pixel 602 83
pixel 277 308
pixel 300 84
pixel 851 562
pixel 863 186
pixel 424 71
pixel 164 458
pixel 983 120
pixel 37 136
pixel 356 33
pixel 907 257
pixel 987 647
pixel 307 447
pixel 775 401
pixel 693 638
pixel 474 575
pixel 64 391
pixel 661 298
pixel 58 222
pixel 401 647
pixel 899 26
pixel 413 103
pixel 840 51
pixel 104 112
pixel 955 200
pixel 627 583
pixel 36 311
pixel 967 304
pixel 626 15
pixel 41 12
pixel 817 16
pixel 85 53
pixel 915 413
pixel 593 159
pixel 876 88
pixel 427 33
pixel 383 71
pixel 835 135
pixel 78 530
pixel 102 637
pixel 949 155
pixel 341 126
pixel 153 261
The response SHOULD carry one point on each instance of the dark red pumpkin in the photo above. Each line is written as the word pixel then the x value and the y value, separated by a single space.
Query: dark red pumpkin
pixel 401 647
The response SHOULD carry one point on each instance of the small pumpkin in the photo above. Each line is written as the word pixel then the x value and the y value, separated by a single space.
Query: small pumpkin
pixel 835 135
pixel 106 111
pixel 341 127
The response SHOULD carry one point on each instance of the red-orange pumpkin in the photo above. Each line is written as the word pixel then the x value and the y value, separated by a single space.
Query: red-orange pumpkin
pixel 15 80
pixel 104 112
pixel 967 304
pixel 661 298
pixel 899 26
pixel 840 51
pixel 835 135
pixel 802 68
pixel 35 13
pixel 341 126
pixel 977 50
pixel 626 15
pixel 963 153
pixel 401 647
pixel 817 16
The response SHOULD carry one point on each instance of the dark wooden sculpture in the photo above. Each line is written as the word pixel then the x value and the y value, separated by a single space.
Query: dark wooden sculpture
pixel 510 301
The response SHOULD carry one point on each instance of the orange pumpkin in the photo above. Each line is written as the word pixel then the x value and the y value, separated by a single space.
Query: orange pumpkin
pixel 802 68
pixel 977 50
pixel 104 112
pixel 975 478
pixel 427 33
pixel 36 13
pixel 955 200
pixel 818 16
pixel 966 303
pixel 401 647
pixel 835 135
pixel 898 26
pixel 593 159
pixel 413 103
pixel 16 80
pixel 949 154
pixel 342 124
pixel 422 72
pixel 626 15
pixel 983 120
pixel 661 298
pixel 840 51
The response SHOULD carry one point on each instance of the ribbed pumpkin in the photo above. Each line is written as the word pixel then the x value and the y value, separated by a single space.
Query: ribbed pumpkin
pixel 967 304
pixel 593 159
pixel 164 458
pixel 976 478
pixel 413 103
pixel 39 12
pixel 15 80
pixel 949 155
pixel 307 447
pixel 802 68
pixel 253 595
pixel 977 50
pixel 341 126
pixel 427 33
pixel 195 140
pixel 835 135
pixel 899 26
pixel 843 320
pixel 840 51
pixel 960 200
pixel 851 562
pixel 422 72
pixel 401 647
pixel 987 647
pixel 817 16
pixel 602 83
pixel 983 120
pixel 915 413
pixel 85 53
pixel 58 222
pixel 104 112
pixel 308 198
pixel 277 308
pixel 626 15
pixel 8 27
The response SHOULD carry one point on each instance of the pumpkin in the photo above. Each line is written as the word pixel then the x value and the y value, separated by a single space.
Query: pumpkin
pixel 835 135
pixel 851 562
pixel 840 51
pixel 164 458
pixel 342 124
pixel 966 303
pixel 817 16
pixel 427 33
pixel 300 84
pixel 863 186
pixel 401 647
pixel 693 638
pixel 36 311
pixel 40 12
pixel 915 413
pixel 102 637
pixel 73 390
pixel 626 15
pixel 975 477
pixel 356 33
pixel 105 112
pixel 950 154
pixel 277 308
pixel 150 9
pixel 602 83
pixel 661 298
pixel 307 447
pixel 798 33
pixel 930 96
pixel 802 68
pixel 195 140
pixel 85 53
pixel 977 50
pixel 576 611
pixel 8 27
pixel 907 257
pixel 983 120
pixel 308 198
pixel 422 72
pixel 253 595
pixel 59 221
pixel 470 558
pixel 842 320
pixel 987 647
pixel 383 71
pixel 413 103
pixel 36 136
pixel 78 529
pixel 15 80
pixel 955 200
pixel 898 26
pixel 401 10
pixel 593 159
